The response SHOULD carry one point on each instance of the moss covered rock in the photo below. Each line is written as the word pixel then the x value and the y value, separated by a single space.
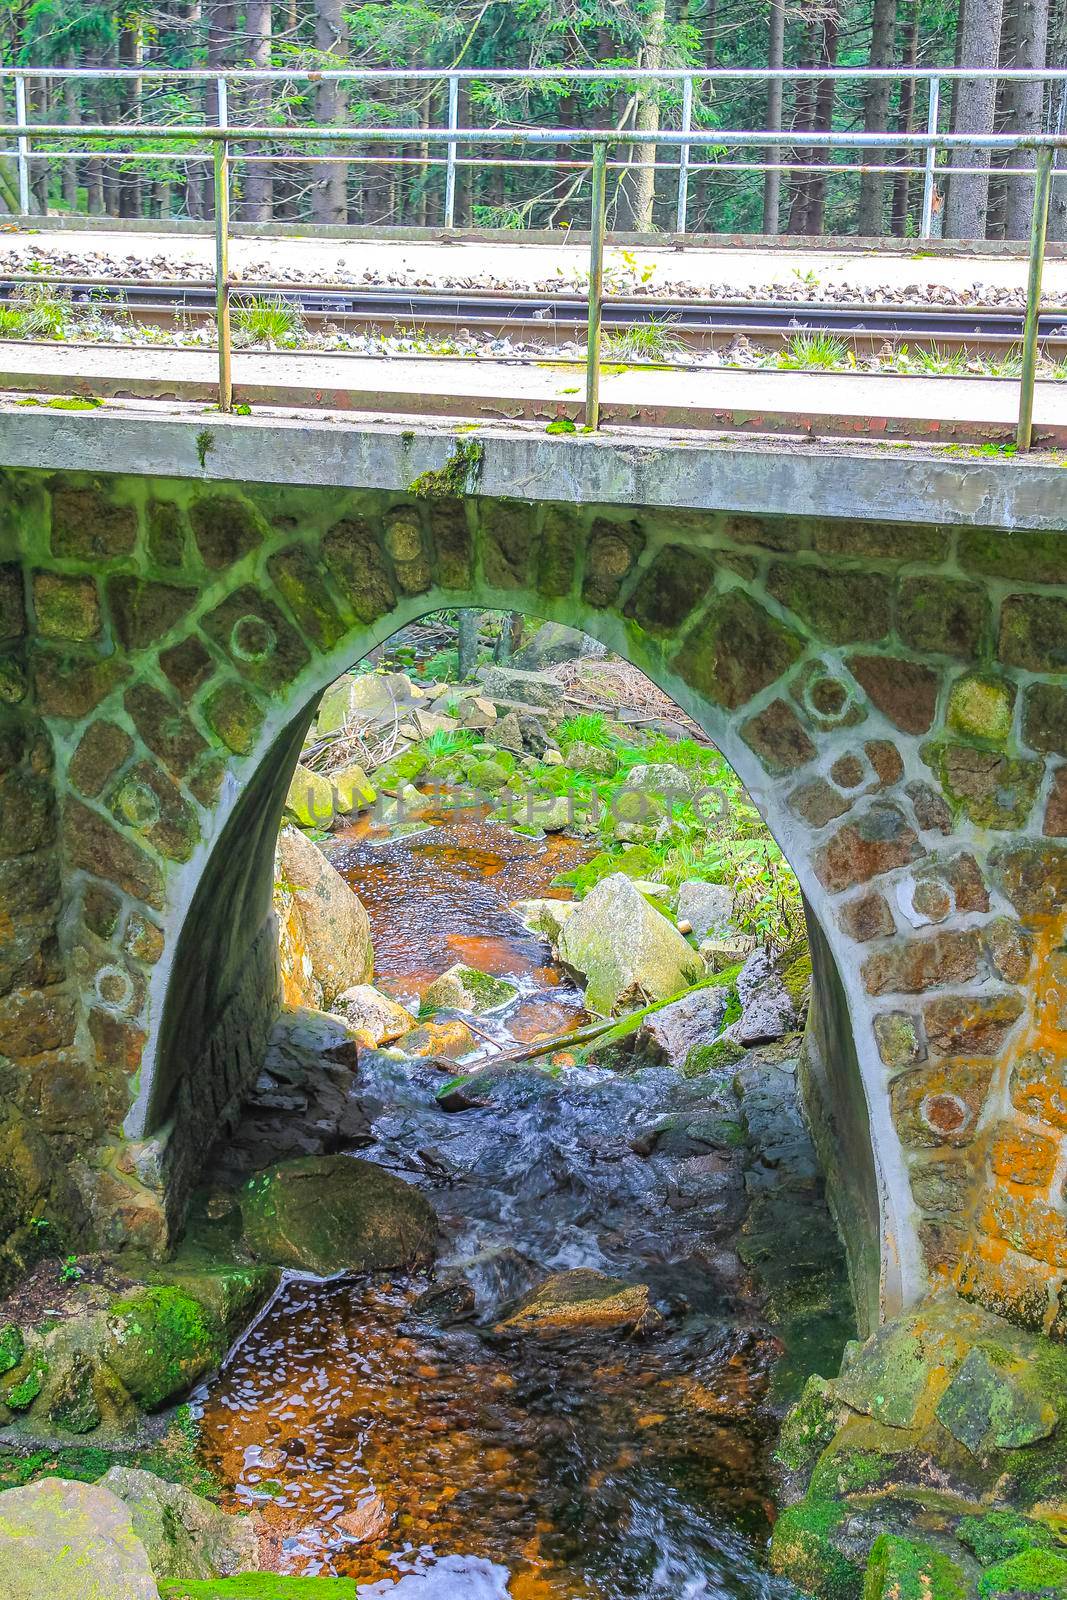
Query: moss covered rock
pixel 160 1341
pixel 999 1535
pixel 625 949
pixel 581 1302
pixel 802 1549
pixel 464 988
pixel 258 1586
pixel 912 1569
pixel 70 1541
pixel 184 1535
pixel 1032 1575
pixel 328 1214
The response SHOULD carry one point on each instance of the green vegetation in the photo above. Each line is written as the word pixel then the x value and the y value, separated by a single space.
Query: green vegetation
pixel 649 341
pixel 586 727
pixel 268 320
pixel 458 476
pixel 819 352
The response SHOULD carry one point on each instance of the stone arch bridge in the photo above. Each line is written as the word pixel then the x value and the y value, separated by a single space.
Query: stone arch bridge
pixel 877 640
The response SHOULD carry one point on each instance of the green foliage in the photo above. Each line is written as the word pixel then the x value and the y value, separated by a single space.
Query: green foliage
pixel 653 340
pixel 445 742
pixel 814 352
pixel 999 1535
pixel 585 727
pixel 268 320
pixel 458 476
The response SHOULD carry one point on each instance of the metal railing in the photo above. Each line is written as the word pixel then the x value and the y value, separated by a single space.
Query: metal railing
pixel 223 139
pixel 683 80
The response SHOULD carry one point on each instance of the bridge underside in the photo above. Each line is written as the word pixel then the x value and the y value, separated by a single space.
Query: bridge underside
pixel 891 692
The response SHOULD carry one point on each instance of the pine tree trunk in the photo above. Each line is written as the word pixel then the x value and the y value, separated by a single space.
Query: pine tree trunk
pixel 131 54
pixel 329 191
pixel 1057 56
pixel 72 117
pixel 973 108
pixel 469 627
pixel 258 182
pixel 870 222
pixel 646 120
pixel 222 22
pixel 905 121
pixel 1024 105
pixel 772 181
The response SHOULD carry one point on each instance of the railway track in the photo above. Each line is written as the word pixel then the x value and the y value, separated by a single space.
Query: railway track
pixel 562 318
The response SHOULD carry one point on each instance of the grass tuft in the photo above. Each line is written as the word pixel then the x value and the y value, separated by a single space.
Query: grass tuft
pixel 268 320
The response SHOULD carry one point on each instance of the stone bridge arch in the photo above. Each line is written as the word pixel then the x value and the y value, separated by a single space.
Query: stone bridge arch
pixel 891 694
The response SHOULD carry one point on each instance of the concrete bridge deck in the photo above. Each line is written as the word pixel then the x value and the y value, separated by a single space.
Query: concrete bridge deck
pixel 961 410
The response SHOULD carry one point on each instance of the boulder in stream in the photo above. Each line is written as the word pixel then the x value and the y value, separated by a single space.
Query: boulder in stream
pixel 627 951
pixel 708 908
pixel 767 1008
pixel 61 1540
pixel 464 988
pixel 368 1011
pixel 450 1038
pixel 327 1214
pixel 334 925
pixel 184 1535
pixel 581 1302
pixel 696 1019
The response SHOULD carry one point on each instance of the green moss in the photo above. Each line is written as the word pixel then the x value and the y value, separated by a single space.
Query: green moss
pixel 163 1340
pixel 12 1347
pixel 802 1549
pixel 205 441
pixel 1001 1534
pixel 716 1057
pixel 1041 1574
pixel 257 1586
pixel 911 1569
pixel 24 1392
pixel 850 1472
pixel 809 1427
pixel 797 979
pixel 458 476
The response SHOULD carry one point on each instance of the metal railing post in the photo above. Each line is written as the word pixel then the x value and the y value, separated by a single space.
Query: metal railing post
pixel 23 147
pixel 926 224
pixel 1038 230
pixel 597 224
pixel 453 151
pixel 683 154
pixel 222 271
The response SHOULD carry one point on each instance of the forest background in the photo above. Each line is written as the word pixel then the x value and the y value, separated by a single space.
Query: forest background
pixel 397 188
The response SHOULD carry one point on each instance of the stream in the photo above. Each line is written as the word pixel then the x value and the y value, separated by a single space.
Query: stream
pixel 395 1430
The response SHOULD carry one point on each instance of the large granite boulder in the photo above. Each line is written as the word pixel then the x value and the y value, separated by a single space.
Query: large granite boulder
pixel 368 1011
pixel 685 1025
pixel 506 686
pixel 580 1303
pixel 627 951
pixel 327 1214
pixel 336 932
pixel 184 1535
pixel 61 1540
pixel 708 908
pixel 767 1008
pixel 464 988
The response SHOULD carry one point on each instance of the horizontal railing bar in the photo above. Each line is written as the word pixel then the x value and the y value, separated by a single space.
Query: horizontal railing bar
pixel 729 138
pixel 539 74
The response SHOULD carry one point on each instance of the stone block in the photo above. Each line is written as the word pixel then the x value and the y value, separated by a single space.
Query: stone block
pixel 899 1038
pixel 848 771
pixel 144 611
pixel 877 841
pixel 12 604
pixel 881 541
pixel 27 813
pixel 508 544
pixel 1054 825
pixel 981 706
pixel 993 790
pixel 34 1021
pixel 967 1025
pixel 149 803
pixel 911 966
pixel 300 583
pixel 71 686
pixel 778 739
pixel 737 650
pixel 450 538
pixel 142 939
pixel 262 644
pixel 611 554
pixel 944 1185
pixel 66 607
pixel 828 699
pixel 842 607
pixel 932 813
pixel 103 749
pixel 100 910
pixel 1045 718
pixel 1027 555
pixel 1033 876
pixel 1006 1284
pixel 1033 632
pixel 1023 1157
pixel 166 533
pixel 558 552
pixel 166 731
pixel 14 684
pixel 88 526
pixel 868 916
pixel 1031 1226
pixel 225 528
pixel 1009 947
pixel 97 847
pixel 943 615
pixel 818 802
pixel 205 780
pixel 676 582
pixel 939 1104
pixel 406 549
pixel 886 760
pixel 358 567
pixel 188 665
pixel 119 1044
pixel 1039 1087
pixel 769 533
pixel 904 691
pixel 234 714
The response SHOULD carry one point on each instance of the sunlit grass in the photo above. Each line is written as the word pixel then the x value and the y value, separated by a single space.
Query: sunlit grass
pixel 813 352
pixel 654 340
pixel 268 320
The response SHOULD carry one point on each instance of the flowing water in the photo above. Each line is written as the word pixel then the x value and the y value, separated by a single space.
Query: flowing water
pixel 391 1430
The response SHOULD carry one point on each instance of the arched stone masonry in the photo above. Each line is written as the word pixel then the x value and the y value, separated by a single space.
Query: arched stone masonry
pixel 892 695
